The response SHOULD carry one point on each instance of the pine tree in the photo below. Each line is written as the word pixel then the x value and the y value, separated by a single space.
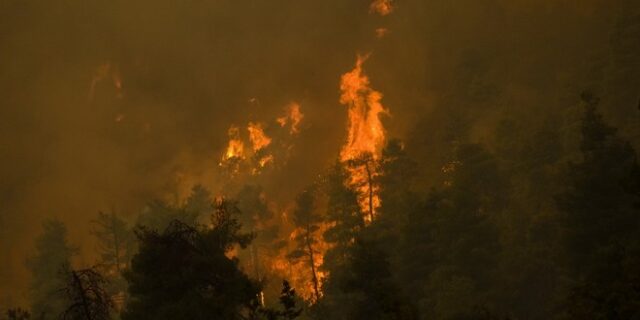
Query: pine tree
pixel 344 217
pixel 364 288
pixel 256 216
pixel 186 272
pixel 86 291
pixel 288 300
pixel 601 221
pixel 454 231
pixel 307 220
pixel 116 245
pixel 52 256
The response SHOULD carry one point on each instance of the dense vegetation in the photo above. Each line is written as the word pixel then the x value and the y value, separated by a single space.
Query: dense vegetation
pixel 506 183
pixel 562 244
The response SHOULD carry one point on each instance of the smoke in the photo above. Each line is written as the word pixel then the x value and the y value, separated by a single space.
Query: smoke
pixel 111 104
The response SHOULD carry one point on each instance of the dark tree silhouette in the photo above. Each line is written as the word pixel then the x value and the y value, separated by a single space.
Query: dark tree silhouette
pixel 87 295
pixel 288 302
pixel 307 220
pixel 364 288
pixel 370 166
pixel 343 217
pixel 255 217
pixel 602 220
pixel 187 272
pixel 53 254
pixel 116 245
pixel 18 314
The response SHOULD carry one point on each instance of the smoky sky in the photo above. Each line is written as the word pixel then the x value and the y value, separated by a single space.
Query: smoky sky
pixel 106 105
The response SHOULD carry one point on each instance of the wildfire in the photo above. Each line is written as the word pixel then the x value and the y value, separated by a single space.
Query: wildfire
pixel 259 139
pixel 381 32
pixel 261 150
pixel 293 117
pixel 365 135
pixel 298 271
pixel 235 148
pixel 382 7
pixel 264 161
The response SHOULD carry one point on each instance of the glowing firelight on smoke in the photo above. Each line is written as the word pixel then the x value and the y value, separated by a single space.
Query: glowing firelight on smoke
pixel 382 7
pixel 104 72
pixel 381 32
pixel 293 118
pixel 365 135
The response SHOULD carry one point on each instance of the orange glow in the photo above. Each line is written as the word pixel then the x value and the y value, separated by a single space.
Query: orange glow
pixel 382 7
pixel 259 139
pixel 293 117
pixel 365 135
pixel 104 71
pixel 381 32
pixel 235 148
pixel 298 272
pixel 266 160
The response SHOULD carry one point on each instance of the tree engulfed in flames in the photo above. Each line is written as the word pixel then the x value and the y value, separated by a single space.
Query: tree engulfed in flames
pixel 365 135
pixel 260 152
pixel 259 139
pixel 235 148
pixel 299 272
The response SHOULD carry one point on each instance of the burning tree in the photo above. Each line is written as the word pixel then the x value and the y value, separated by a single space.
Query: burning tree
pixel 257 217
pixel 308 222
pixel 365 136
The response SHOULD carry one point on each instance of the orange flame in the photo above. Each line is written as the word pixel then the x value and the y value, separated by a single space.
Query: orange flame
pixel 366 133
pixel 298 272
pixel 235 148
pixel 293 117
pixel 365 136
pixel 259 139
pixel 382 7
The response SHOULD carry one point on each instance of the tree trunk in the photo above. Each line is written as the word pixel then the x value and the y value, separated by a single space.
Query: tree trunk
pixel 370 183
pixel 85 306
pixel 312 262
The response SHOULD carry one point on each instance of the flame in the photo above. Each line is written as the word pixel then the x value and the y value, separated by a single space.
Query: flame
pixel 365 136
pixel 259 140
pixel 381 32
pixel 293 117
pixel 382 7
pixel 366 133
pixel 264 161
pixel 235 148
pixel 298 272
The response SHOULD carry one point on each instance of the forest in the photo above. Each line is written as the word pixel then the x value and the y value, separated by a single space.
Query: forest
pixel 347 160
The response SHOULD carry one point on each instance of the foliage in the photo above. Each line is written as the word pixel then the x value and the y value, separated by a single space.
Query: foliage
pixel 307 220
pixel 602 220
pixel 87 296
pixel 52 256
pixel 18 314
pixel 187 272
